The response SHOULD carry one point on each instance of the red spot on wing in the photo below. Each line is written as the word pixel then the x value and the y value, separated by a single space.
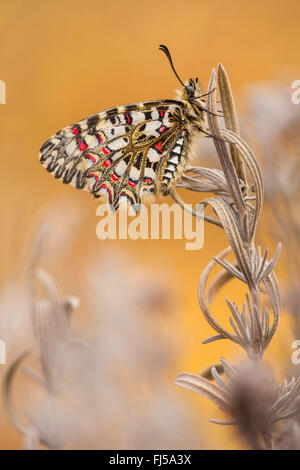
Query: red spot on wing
pixel 127 118
pixel 100 138
pixel 158 146
pixel 106 150
pixel 131 183
pixel 107 162
pixel 114 177
pixel 91 158
pixel 96 177
pixel 75 130
pixel 82 146
pixel 162 129
pixel 103 185
pixel 148 180
pixel 161 113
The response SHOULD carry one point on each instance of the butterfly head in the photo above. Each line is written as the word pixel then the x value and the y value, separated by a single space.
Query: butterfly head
pixel 191 91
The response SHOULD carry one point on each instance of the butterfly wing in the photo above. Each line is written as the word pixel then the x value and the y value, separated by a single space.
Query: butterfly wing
pixel 121 152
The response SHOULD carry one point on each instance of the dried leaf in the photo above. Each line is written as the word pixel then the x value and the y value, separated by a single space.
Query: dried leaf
pixel 231 119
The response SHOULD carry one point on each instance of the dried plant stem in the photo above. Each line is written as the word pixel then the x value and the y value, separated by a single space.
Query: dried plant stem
pixel 238 213
pixel 231 120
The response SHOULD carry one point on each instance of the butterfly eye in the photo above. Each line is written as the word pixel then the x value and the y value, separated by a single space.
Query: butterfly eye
pixel 190 90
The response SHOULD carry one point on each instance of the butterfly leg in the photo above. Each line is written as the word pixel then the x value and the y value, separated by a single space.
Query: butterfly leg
pixel 213 136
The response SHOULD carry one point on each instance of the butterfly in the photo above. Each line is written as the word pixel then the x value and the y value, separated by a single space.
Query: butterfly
pixel 130 151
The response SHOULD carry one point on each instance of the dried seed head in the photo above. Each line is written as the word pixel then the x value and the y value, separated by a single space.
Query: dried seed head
pixel 252 395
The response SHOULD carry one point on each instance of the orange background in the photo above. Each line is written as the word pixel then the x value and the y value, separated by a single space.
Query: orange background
pixel 65 60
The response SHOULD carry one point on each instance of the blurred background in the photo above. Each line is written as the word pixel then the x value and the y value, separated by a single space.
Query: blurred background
pixel 63 61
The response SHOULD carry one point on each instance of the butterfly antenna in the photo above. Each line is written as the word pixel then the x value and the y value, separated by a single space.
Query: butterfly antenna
pixel 167 52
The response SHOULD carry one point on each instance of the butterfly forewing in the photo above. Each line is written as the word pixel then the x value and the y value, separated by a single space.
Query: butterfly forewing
pixel 122 152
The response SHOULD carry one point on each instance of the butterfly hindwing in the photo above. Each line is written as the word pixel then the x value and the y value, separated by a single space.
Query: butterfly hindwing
pixel 122 152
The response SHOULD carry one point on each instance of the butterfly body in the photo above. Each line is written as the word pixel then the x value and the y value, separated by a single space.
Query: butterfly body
pixel 129 151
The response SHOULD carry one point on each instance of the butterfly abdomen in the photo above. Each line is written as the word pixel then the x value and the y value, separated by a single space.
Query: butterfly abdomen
pixel 174 164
